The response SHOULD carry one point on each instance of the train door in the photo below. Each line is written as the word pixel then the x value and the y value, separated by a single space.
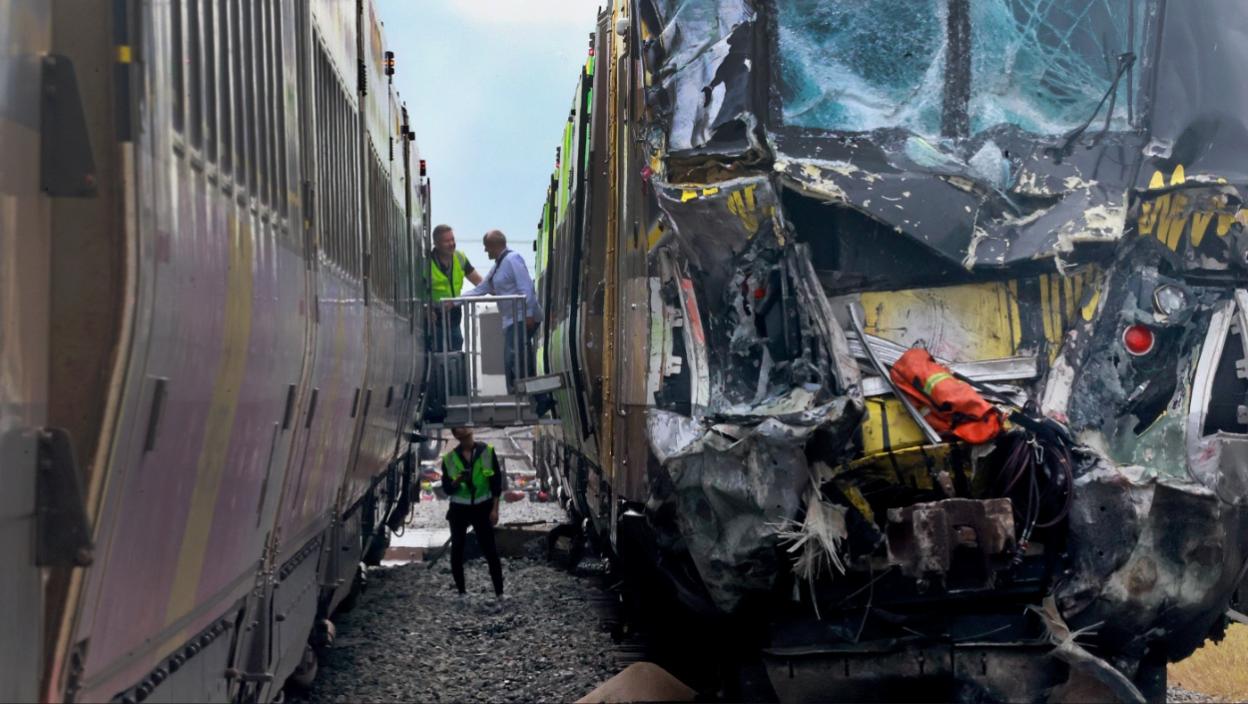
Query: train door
pixel 25 33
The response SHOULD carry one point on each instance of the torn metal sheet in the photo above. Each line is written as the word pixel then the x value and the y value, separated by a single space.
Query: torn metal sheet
pixel 735 486
pixel 1150 556
pixel 702 58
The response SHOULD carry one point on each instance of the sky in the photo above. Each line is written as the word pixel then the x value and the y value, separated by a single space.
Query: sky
pixel 488 85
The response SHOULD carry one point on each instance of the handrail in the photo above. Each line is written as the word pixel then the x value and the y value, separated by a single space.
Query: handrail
pixel 473 342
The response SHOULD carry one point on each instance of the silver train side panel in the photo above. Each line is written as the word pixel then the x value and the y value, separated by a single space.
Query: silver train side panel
pixel 25 32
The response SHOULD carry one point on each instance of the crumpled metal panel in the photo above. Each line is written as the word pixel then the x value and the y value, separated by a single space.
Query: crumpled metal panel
pixel 933 193
pixel 1201 114
pixel 1151 556
pixel 714 225
pixel 706 72
pixel 734 487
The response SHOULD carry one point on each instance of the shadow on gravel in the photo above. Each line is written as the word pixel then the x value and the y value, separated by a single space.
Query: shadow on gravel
pixel 410 637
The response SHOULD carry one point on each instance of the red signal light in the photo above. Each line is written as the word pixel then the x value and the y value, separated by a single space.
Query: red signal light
pixel 422 167
pixel 1138 339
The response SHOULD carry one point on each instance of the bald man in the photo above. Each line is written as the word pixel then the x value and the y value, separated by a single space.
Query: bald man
pixel 510 277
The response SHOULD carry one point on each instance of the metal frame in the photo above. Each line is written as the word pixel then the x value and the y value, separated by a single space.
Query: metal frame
pixel 472 346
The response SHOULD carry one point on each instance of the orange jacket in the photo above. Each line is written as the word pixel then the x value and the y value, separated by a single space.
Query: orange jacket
pixel 954 407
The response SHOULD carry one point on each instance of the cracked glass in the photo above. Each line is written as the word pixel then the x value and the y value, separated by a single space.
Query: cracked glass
pixel 1043 66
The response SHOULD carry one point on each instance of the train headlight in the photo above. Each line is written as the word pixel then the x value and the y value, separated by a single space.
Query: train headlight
pixel 1169 301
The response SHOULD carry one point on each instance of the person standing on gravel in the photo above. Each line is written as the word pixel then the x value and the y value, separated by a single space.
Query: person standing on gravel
pixel 472 477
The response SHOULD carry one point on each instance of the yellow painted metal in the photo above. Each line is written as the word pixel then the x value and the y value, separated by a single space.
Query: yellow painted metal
pixel 856 499
pixel 610 265
pixel 968 323
pixel 655 233
pixel 965 323
pixel 887 426
pixel 911 467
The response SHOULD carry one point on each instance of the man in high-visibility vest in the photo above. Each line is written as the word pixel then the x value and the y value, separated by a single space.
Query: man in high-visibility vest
pixel 448 267
pixel 472 477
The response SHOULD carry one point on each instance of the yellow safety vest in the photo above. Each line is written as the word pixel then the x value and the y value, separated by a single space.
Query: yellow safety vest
pixel 444 287
pixel 475 488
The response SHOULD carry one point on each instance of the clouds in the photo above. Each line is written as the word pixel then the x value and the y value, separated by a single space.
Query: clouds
pixel 544 13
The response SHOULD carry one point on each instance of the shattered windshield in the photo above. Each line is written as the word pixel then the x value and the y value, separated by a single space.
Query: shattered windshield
pixel 1041 65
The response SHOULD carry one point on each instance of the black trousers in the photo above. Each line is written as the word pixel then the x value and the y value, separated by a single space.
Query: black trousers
pixel 478 516
pixel 512 334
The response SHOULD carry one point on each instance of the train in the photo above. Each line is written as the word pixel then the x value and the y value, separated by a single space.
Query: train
pixel 758 208
pixel 213 348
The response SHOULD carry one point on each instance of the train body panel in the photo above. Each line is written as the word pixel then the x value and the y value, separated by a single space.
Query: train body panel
pixel 25 264
pixel 216 385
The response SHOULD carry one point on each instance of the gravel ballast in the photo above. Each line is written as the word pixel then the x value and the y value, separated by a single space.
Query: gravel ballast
pixel 432 514
pixel 411 638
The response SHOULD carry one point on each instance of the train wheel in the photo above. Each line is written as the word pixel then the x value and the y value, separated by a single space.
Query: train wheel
pixel 359 585
pixel 305 673
pixel 565 545
pixel 377 548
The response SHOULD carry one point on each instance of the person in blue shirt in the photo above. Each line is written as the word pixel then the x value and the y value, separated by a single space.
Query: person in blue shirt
pixel 510 277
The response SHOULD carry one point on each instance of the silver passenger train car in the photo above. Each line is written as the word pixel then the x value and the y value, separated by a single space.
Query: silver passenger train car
pixel 213 221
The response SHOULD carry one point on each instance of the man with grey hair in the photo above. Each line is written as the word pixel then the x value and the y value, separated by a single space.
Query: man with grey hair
pixel 448 267
pixel 510 277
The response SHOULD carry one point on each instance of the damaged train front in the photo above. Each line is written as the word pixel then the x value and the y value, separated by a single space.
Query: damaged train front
pixel 960 297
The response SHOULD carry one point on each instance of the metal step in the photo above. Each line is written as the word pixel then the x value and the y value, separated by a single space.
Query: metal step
pixel 489 411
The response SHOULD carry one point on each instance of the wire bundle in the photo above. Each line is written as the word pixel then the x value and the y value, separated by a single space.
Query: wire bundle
pixel 1037 475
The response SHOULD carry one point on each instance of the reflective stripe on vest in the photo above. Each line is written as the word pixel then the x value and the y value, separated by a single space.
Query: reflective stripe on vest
pixel 444 287
pixel 477 489
pixel 933 380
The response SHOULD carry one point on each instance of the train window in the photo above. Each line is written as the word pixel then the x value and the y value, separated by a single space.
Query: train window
pixel 239 45
pixel 377 232
pixel 325 194
pixel 279 56
pixel 327 121
pixel 260 106
pixel 330 125
pixel 248 60
pixel 352 213
pixel 194 79
pixel 338 175
pixel 333 153
pixel 210 79
pixel 224 47
pixel 179 61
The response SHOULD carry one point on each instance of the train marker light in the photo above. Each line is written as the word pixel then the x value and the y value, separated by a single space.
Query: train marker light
pixel 1138 339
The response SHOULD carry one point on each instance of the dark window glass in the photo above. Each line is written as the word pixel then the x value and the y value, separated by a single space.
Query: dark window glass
pixel 279 67
pixel 210 79
pixel 241 33
pixel 248 59
pixel 177 68
pixel 239 45
pixel 224 49
pixel 260 107
pixel 195 116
